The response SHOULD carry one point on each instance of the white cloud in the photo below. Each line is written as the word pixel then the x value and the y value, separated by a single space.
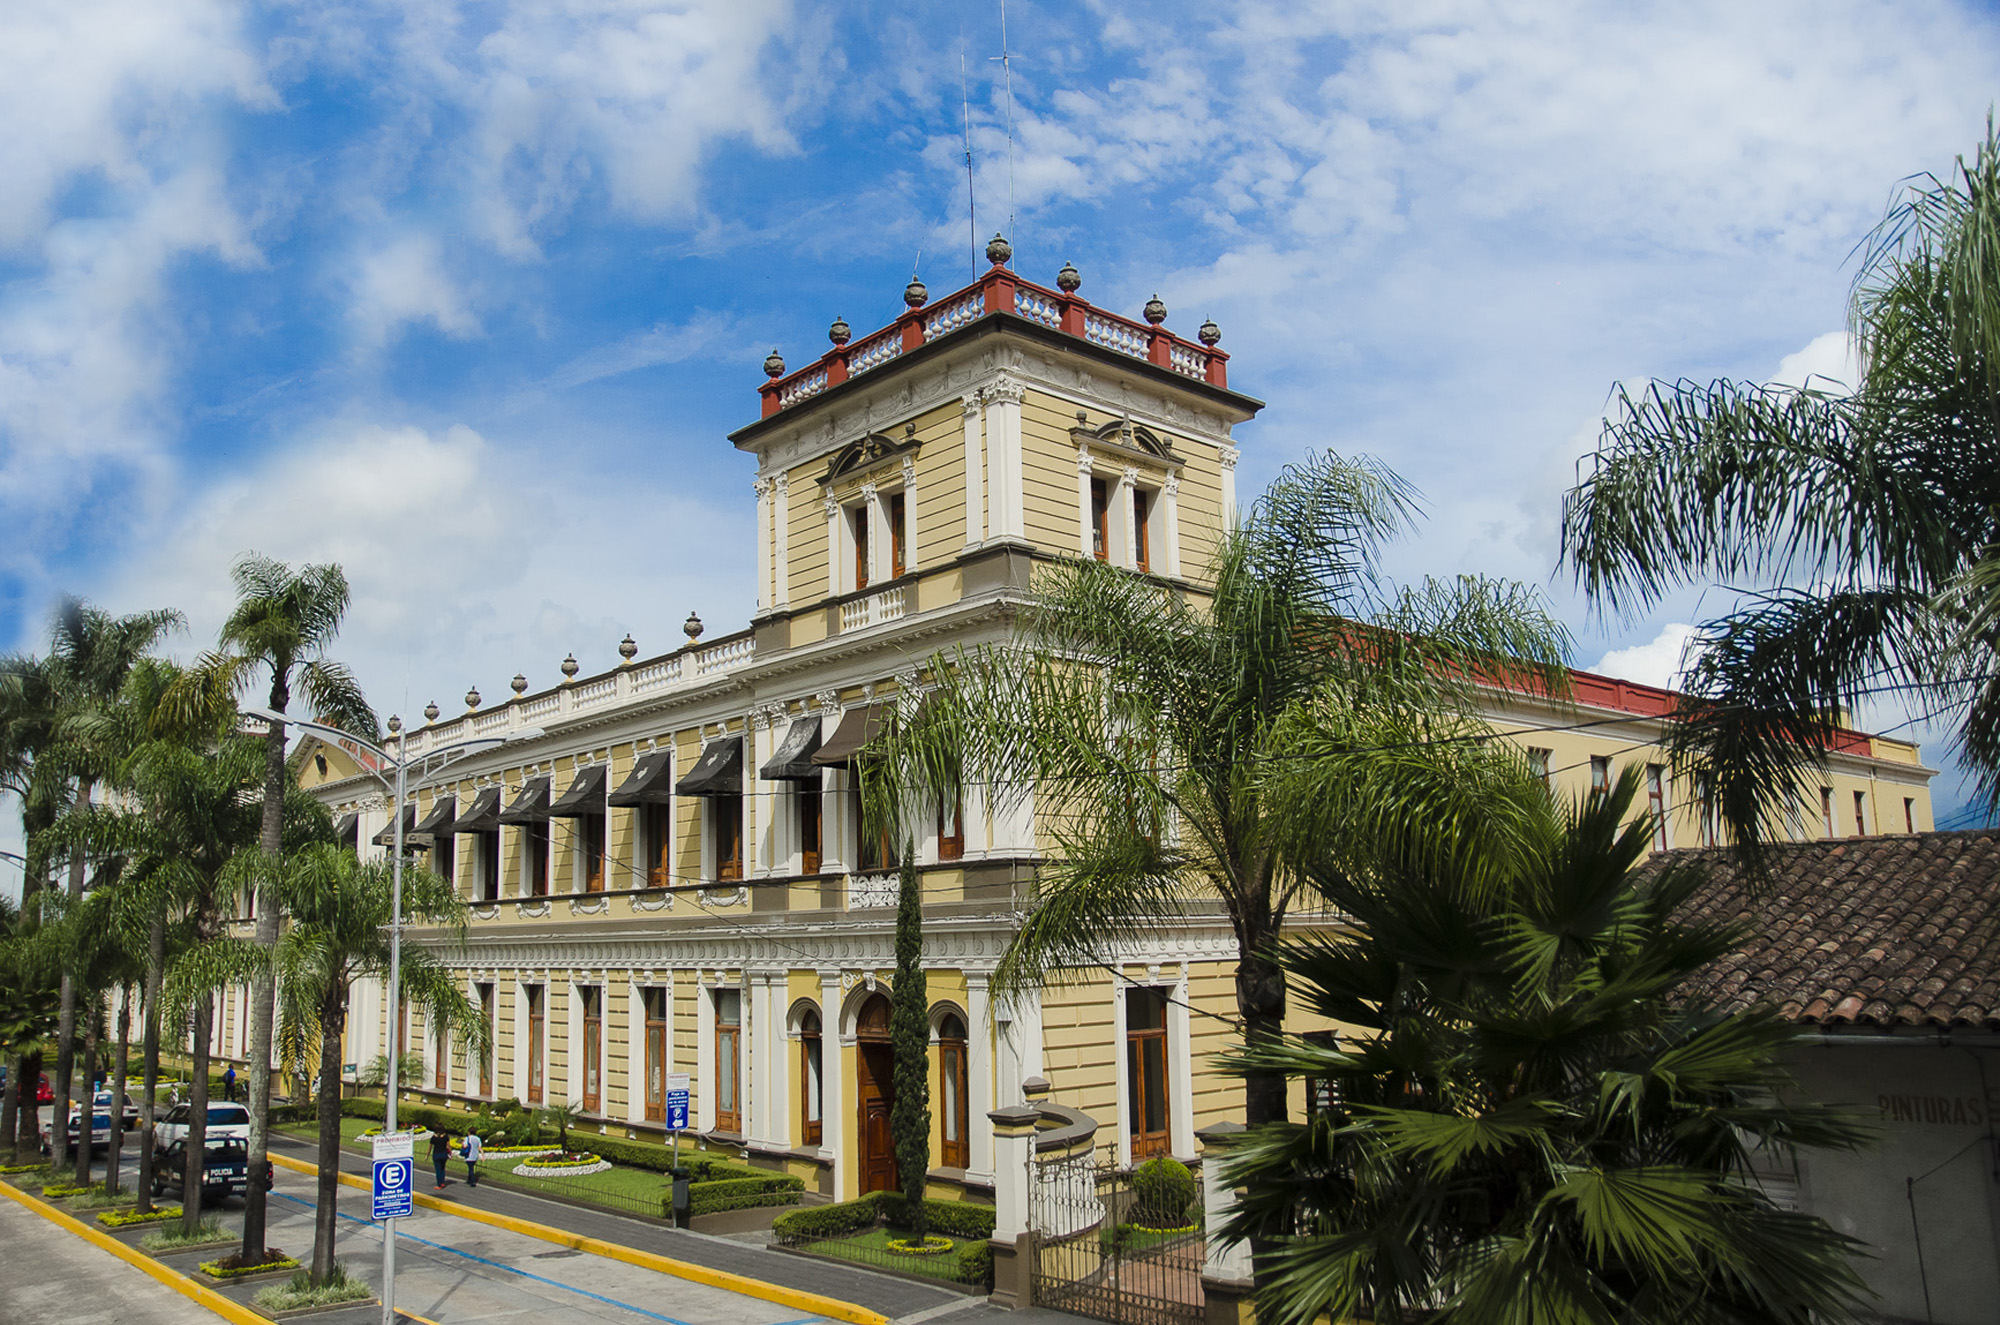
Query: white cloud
pixel 1828 360
pixel 467 561
pixel 1657 662
pixel 404 281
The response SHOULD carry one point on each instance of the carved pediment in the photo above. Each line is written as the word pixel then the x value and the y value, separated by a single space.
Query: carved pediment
pixel 876 450
pixel 1124 436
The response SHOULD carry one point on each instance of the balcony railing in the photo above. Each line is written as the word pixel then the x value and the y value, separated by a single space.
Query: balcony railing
pixel 998 291
pixel 886 605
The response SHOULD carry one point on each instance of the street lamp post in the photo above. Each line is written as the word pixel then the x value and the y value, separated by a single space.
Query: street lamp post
pixel 430 762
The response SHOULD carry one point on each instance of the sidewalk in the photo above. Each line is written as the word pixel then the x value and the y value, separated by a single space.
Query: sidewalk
pixel 891 1296
pixel 47 1269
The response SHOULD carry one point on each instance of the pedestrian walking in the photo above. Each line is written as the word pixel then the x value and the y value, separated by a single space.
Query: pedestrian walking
pixel 229 1084
pixel 472 1151
pixel 440 1154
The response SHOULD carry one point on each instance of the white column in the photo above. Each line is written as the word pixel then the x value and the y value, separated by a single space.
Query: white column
pixel 833 542
pixel 1229 454
pixel 1118 1057
pixel 758 821
pixel 975 513
pixel 909 517
pixel 1003 492
pixel 704 1054
pixel 520 1063
pixel 1127 530
pixel 573 1059
pixel 781 507
pixel 1224 1260
pixel 766 592
pixel 635 1049
pixel 979 1071
pixel 1180 1070
pixel 1170 521
pixel 756 1102
pixel 878 534
pixel 1084 465
pixel 784 1108
pixel 835 1119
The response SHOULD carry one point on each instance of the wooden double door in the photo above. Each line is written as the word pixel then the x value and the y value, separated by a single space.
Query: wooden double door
pixel 877 1095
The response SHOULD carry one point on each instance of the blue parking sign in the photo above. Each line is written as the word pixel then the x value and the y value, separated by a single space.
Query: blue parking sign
pixel 393 1197
pixel 677 1101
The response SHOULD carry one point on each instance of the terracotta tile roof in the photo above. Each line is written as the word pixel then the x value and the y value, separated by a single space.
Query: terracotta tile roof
pixel 1878 932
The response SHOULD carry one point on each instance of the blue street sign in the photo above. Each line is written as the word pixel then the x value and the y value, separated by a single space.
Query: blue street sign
pixel 677 1111
pixel 392 1197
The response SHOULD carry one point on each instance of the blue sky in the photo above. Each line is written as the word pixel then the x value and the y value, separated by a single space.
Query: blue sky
pixel 466 295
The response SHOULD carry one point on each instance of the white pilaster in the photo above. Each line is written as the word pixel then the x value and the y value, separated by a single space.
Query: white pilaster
pixel 756 1014
pixel 759 821
pixel 1004 467
pixel 781 512
pixel 979 1073
pixel 766 592
pixel 1127 528
pixel 704 1055
pixel 836 1119
pixel 1229 455
pixel 520 1054
pixel 834 544
pixel 635 1049
pixel 1180 1070
pixel 1170 522
pixel 878 533
pixel 975 513
pixel 573 1058
pixel 1124 1078
pixel 1084 532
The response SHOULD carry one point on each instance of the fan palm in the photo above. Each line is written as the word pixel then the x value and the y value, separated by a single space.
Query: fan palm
pixel 282 625
pixel 1528 1123
pixel 1156 735
pixel 339 909
pixel 1861 516
pixel 67 702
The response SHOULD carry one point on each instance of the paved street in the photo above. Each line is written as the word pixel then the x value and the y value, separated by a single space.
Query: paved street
pixel 50 1275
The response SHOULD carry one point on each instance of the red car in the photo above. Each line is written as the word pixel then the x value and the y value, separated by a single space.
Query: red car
pixel 44 1093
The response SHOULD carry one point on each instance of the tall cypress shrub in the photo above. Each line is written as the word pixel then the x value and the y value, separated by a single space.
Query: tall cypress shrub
pixel 910 1042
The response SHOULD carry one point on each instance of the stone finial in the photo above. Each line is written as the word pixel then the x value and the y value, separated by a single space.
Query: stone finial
pixel 916 294
pixel 431 711
pixel 519 684
pixel 1156 312
pixel 472 698
pixel 840 333
pixel 1209 333
pixel 1069 279
pixel 395 724
pixel 628 648
pixel 774 365
pixel 998 250
pixel 569 667
pixel 692 626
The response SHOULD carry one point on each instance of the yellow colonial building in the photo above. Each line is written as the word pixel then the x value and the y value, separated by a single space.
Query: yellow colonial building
pixel 669 878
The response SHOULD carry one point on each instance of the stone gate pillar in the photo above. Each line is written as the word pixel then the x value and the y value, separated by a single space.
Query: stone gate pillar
pixel 1013 1241
pixel 1225 1273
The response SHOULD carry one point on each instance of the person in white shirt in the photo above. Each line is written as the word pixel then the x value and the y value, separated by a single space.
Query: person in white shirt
pixel 472 1152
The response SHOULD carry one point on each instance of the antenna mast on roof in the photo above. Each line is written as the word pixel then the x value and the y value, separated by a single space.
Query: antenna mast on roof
pixel 971 204
pixel 1007 72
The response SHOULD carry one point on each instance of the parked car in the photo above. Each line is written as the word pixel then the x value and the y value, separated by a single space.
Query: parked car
pixel 100 1131
pixel 101 1102
pixel 225 1122
pixel 225 1170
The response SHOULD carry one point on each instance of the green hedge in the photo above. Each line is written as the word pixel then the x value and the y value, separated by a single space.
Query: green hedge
pixel 708 1198
pixel 954 1219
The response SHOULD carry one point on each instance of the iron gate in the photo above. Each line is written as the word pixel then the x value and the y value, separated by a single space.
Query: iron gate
pixel 1104 1251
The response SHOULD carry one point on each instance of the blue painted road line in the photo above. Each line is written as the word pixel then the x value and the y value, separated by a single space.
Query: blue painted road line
pixel 553 1283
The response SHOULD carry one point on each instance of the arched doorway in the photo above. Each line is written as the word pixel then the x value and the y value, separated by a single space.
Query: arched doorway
pixel 877 1094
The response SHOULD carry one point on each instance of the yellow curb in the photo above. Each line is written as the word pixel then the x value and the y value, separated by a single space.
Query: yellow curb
pixel 174 1279
pixel 832 1308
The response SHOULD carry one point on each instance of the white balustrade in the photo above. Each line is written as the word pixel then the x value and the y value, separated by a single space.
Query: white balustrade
pixel 721 657
pixel 1037 307
pixel 656 674
pixel 874 353
pixel 809 385
pixel 489 722
pixel 1187 359
pixel 1114 335
pixel 540 704
pixel 887 605
pixel 592 692
pixel 958 313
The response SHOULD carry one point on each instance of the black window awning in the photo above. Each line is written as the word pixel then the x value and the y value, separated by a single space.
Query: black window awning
pixel 438 823
pixel 348 831
pixel 585 795
pixel 649 783
pixel 858 726
pixel 387 837
pixel 794 760
pixel 718 773
pixel 483 816
pixel 531 806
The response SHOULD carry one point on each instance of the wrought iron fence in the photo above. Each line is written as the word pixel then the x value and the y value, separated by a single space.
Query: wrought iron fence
pixel 1112 1250
pixel 860 1231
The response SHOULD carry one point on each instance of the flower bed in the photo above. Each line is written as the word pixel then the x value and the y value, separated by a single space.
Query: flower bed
pixel 930 1246
pixel 416 1132
pixel 62 1191
pixel 560 1164
pixel 127 1218
pixel 11 1169
pixel 228 1267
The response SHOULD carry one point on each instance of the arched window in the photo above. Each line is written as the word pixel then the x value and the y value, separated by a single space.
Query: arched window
pixel 811 1092
pixel 952 1092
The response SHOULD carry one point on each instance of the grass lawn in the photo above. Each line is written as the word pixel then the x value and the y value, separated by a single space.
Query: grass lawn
pixel 872 1248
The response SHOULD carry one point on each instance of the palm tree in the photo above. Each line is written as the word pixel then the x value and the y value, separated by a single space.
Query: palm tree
pixel 1869 511
pixel 339 910
pixel 282 625
pixel 28 1010
pixel 1529 1124
pixel 68 701
pixel 1157 734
